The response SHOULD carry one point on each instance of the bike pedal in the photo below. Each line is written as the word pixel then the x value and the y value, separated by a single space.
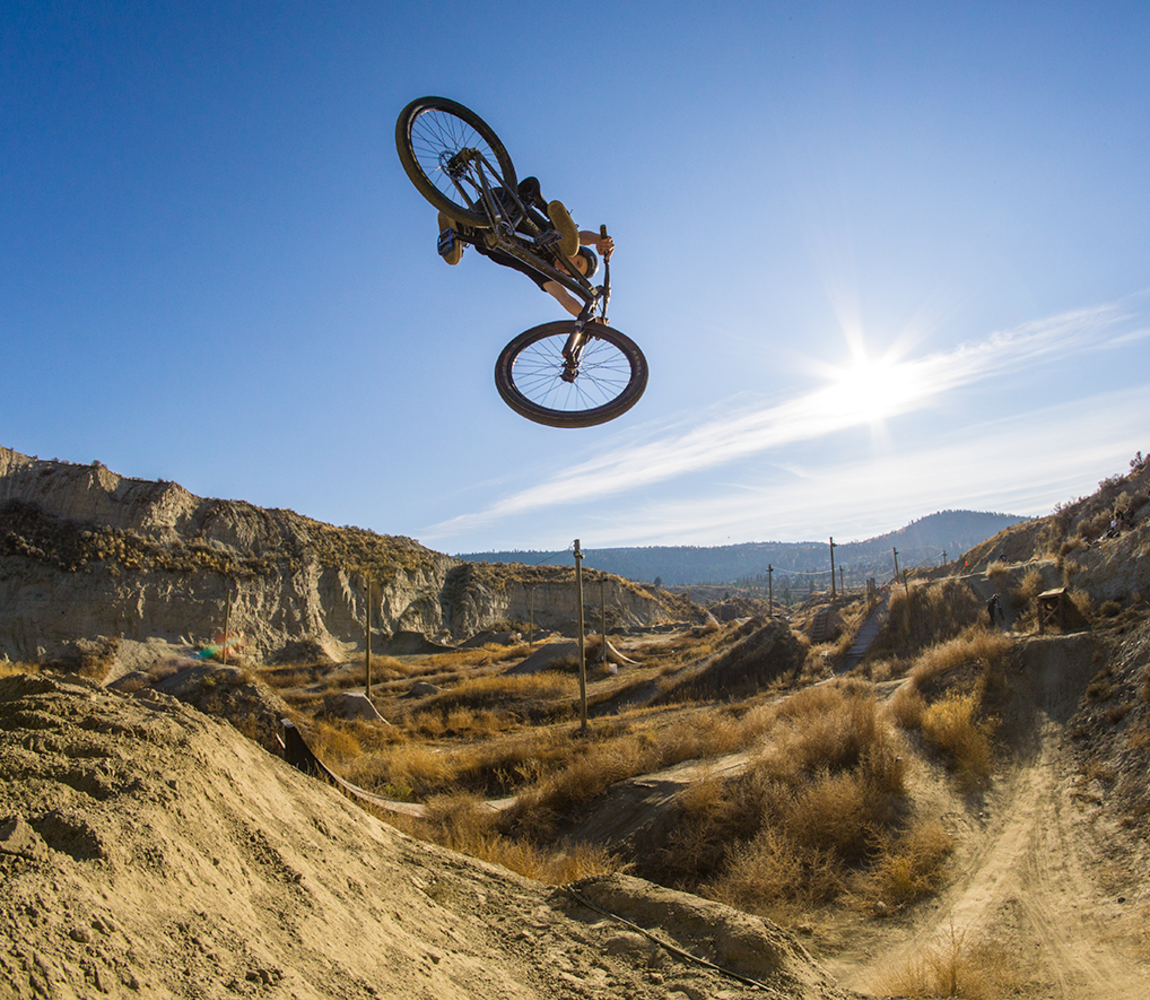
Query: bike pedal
pixel 547 239
pixel 446 242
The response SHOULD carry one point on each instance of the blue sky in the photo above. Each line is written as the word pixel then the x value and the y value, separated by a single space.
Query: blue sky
pixel 884 259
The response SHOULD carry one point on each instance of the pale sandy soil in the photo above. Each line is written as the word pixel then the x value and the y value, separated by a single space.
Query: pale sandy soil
pixel 149 850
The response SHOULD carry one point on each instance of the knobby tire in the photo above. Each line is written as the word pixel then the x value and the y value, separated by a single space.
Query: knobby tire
pixel 612 376
pixel 430 128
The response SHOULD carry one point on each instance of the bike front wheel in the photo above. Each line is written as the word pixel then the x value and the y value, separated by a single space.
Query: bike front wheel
pixel 611 377
pixel 432 130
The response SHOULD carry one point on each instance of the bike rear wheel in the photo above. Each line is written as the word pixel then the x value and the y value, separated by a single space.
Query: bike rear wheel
pixel 611 377
pixel 429 132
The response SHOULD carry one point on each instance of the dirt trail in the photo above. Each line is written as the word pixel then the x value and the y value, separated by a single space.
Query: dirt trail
pixel 1030 883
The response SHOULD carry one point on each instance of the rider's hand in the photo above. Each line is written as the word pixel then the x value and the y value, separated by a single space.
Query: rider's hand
pixel 605 245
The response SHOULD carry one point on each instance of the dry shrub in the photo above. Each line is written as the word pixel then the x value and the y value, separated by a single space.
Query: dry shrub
pixel 792 826
pixel 546 695
pixel 10 668
pixel 951 726
pixel 1094 526
pixel 464 823
pixel 907 707
pixel 952 968
pixel 998 572
pixel 1082 603
pixel 927 615
pixel 774 869
pixel 334 745
pixel 1023 600
pixel 1070 545
pixel 908 867
pixel 419 769
pixel 968 659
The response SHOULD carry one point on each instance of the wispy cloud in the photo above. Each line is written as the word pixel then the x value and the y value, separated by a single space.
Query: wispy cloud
pixel 907 385
pixel 1021 464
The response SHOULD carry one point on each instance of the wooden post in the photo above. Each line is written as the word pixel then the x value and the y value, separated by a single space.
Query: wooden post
pixel 603 620
pixel 367 645
pixel 770 589
pixel 833 594
pixel 582 661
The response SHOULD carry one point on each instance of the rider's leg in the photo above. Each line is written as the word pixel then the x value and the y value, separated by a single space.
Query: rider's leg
pixel 560 218
pixel 453 255
pixel 565 227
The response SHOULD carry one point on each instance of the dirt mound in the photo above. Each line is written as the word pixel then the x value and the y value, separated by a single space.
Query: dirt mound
pixel 766 653
pixel 148 850
pixel 733 608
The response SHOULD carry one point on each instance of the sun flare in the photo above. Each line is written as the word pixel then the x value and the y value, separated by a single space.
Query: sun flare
pixel 871 391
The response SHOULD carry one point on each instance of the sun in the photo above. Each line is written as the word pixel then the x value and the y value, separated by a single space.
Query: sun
pixel 871 391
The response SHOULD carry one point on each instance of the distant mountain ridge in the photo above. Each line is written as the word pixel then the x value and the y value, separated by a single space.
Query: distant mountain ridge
pixel 920 543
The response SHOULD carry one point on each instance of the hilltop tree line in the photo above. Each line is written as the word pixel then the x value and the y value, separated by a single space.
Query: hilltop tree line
pixel 799 567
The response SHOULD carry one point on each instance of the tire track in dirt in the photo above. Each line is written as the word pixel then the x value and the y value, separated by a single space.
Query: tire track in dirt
pixel 1027 886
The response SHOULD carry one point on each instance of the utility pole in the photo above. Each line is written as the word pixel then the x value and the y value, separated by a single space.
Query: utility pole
pixel 770 589
pixel 367 644
pixel 842 586
pixel 603 620
pixel 833 594
pixel 582 662
pixel 905 584
pixel 531 624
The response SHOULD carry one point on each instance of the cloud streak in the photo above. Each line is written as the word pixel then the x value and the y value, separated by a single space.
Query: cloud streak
pixel 907 386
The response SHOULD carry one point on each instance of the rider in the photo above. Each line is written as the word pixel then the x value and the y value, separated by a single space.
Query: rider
pixel 572 246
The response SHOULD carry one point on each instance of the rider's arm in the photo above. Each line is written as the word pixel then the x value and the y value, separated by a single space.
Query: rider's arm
pixel 563 297
pixel 604 244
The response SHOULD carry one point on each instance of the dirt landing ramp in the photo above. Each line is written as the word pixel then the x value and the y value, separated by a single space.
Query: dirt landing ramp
pixel 554 654
pixel 409 644
pixel 749 946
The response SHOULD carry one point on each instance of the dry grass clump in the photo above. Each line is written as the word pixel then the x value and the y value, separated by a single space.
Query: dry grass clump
pixel 495 702
pixel 464 823
pixel 608 754
pixel 945 700
pixel 808 815
pixel 9 668
pixel 929 614
pixel 998 572
pixel 952 968
pixel 909 865
pixel 767 655
pixel 953 727
pixel 1023 600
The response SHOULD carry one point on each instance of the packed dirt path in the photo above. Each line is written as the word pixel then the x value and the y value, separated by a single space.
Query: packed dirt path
pixel 1039 880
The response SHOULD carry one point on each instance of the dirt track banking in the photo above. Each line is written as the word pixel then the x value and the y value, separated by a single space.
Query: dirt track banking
pixel 1029 885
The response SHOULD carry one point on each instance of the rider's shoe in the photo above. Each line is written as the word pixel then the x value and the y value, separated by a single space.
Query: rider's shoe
pixel 565 227
pixel 454 253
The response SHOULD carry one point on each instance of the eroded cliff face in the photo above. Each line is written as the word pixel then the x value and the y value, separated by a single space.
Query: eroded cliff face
pixel 86 553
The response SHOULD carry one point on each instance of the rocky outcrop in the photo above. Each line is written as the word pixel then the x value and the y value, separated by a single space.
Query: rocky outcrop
pixel 87 553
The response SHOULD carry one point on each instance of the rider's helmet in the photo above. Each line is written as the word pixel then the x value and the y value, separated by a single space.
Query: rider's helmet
pixel 592 261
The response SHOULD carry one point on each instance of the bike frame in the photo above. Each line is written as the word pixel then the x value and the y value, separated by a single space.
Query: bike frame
pixel 471 165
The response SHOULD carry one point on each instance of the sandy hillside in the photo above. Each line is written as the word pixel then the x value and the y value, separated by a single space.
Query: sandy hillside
pixel 149 850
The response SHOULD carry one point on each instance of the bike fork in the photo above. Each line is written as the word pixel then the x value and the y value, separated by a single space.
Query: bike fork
pixel 573 349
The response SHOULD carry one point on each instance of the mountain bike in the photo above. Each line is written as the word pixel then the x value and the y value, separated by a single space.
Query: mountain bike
pixel 564 373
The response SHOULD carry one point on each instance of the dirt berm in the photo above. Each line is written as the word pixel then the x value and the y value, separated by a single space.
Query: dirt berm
pixel 149 850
